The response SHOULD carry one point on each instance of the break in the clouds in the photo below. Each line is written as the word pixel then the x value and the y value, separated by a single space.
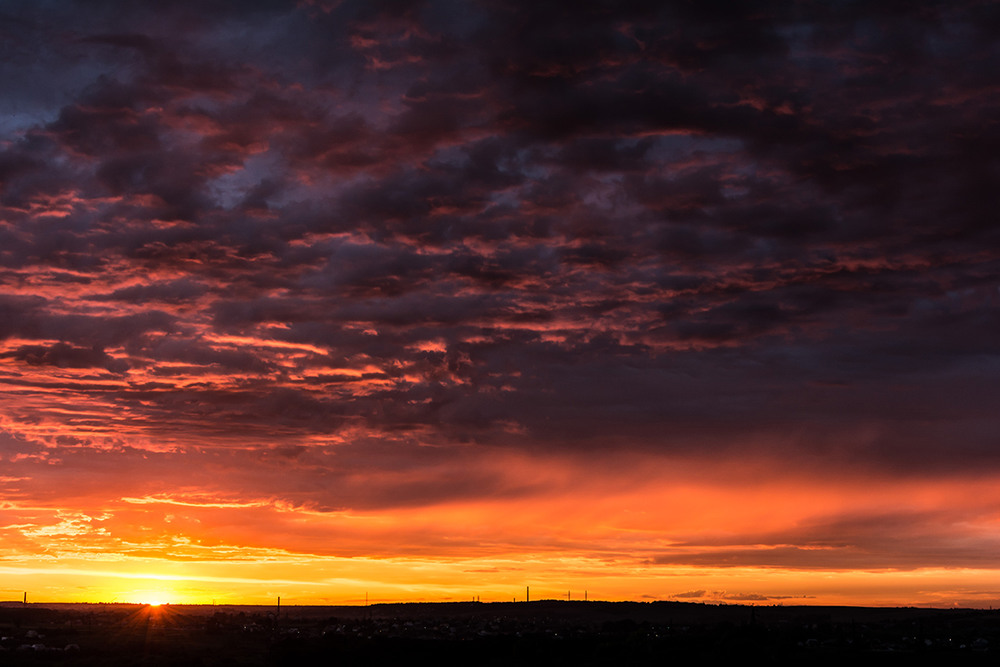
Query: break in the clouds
pixel 385 256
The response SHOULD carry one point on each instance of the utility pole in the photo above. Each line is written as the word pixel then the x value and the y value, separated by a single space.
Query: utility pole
pixel 527 593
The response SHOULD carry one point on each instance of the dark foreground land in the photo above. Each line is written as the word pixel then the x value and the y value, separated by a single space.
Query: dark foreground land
pixel 536 633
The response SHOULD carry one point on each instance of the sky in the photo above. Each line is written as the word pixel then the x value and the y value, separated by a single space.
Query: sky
pixel 441 300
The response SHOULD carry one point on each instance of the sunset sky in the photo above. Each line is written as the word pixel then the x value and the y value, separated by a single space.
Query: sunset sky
pixel 434 300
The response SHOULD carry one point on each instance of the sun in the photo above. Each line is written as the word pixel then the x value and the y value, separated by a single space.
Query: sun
pixel 154 603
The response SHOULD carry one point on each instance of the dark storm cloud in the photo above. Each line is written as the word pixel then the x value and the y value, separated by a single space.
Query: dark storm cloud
pixel 66 356
pixel 654 224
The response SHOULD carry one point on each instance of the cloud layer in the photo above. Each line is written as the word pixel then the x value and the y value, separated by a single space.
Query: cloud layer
pixel 371 257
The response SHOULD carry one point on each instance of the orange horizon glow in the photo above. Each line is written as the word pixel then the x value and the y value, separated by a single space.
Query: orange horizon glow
pixel 935 588
pixel 636 538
